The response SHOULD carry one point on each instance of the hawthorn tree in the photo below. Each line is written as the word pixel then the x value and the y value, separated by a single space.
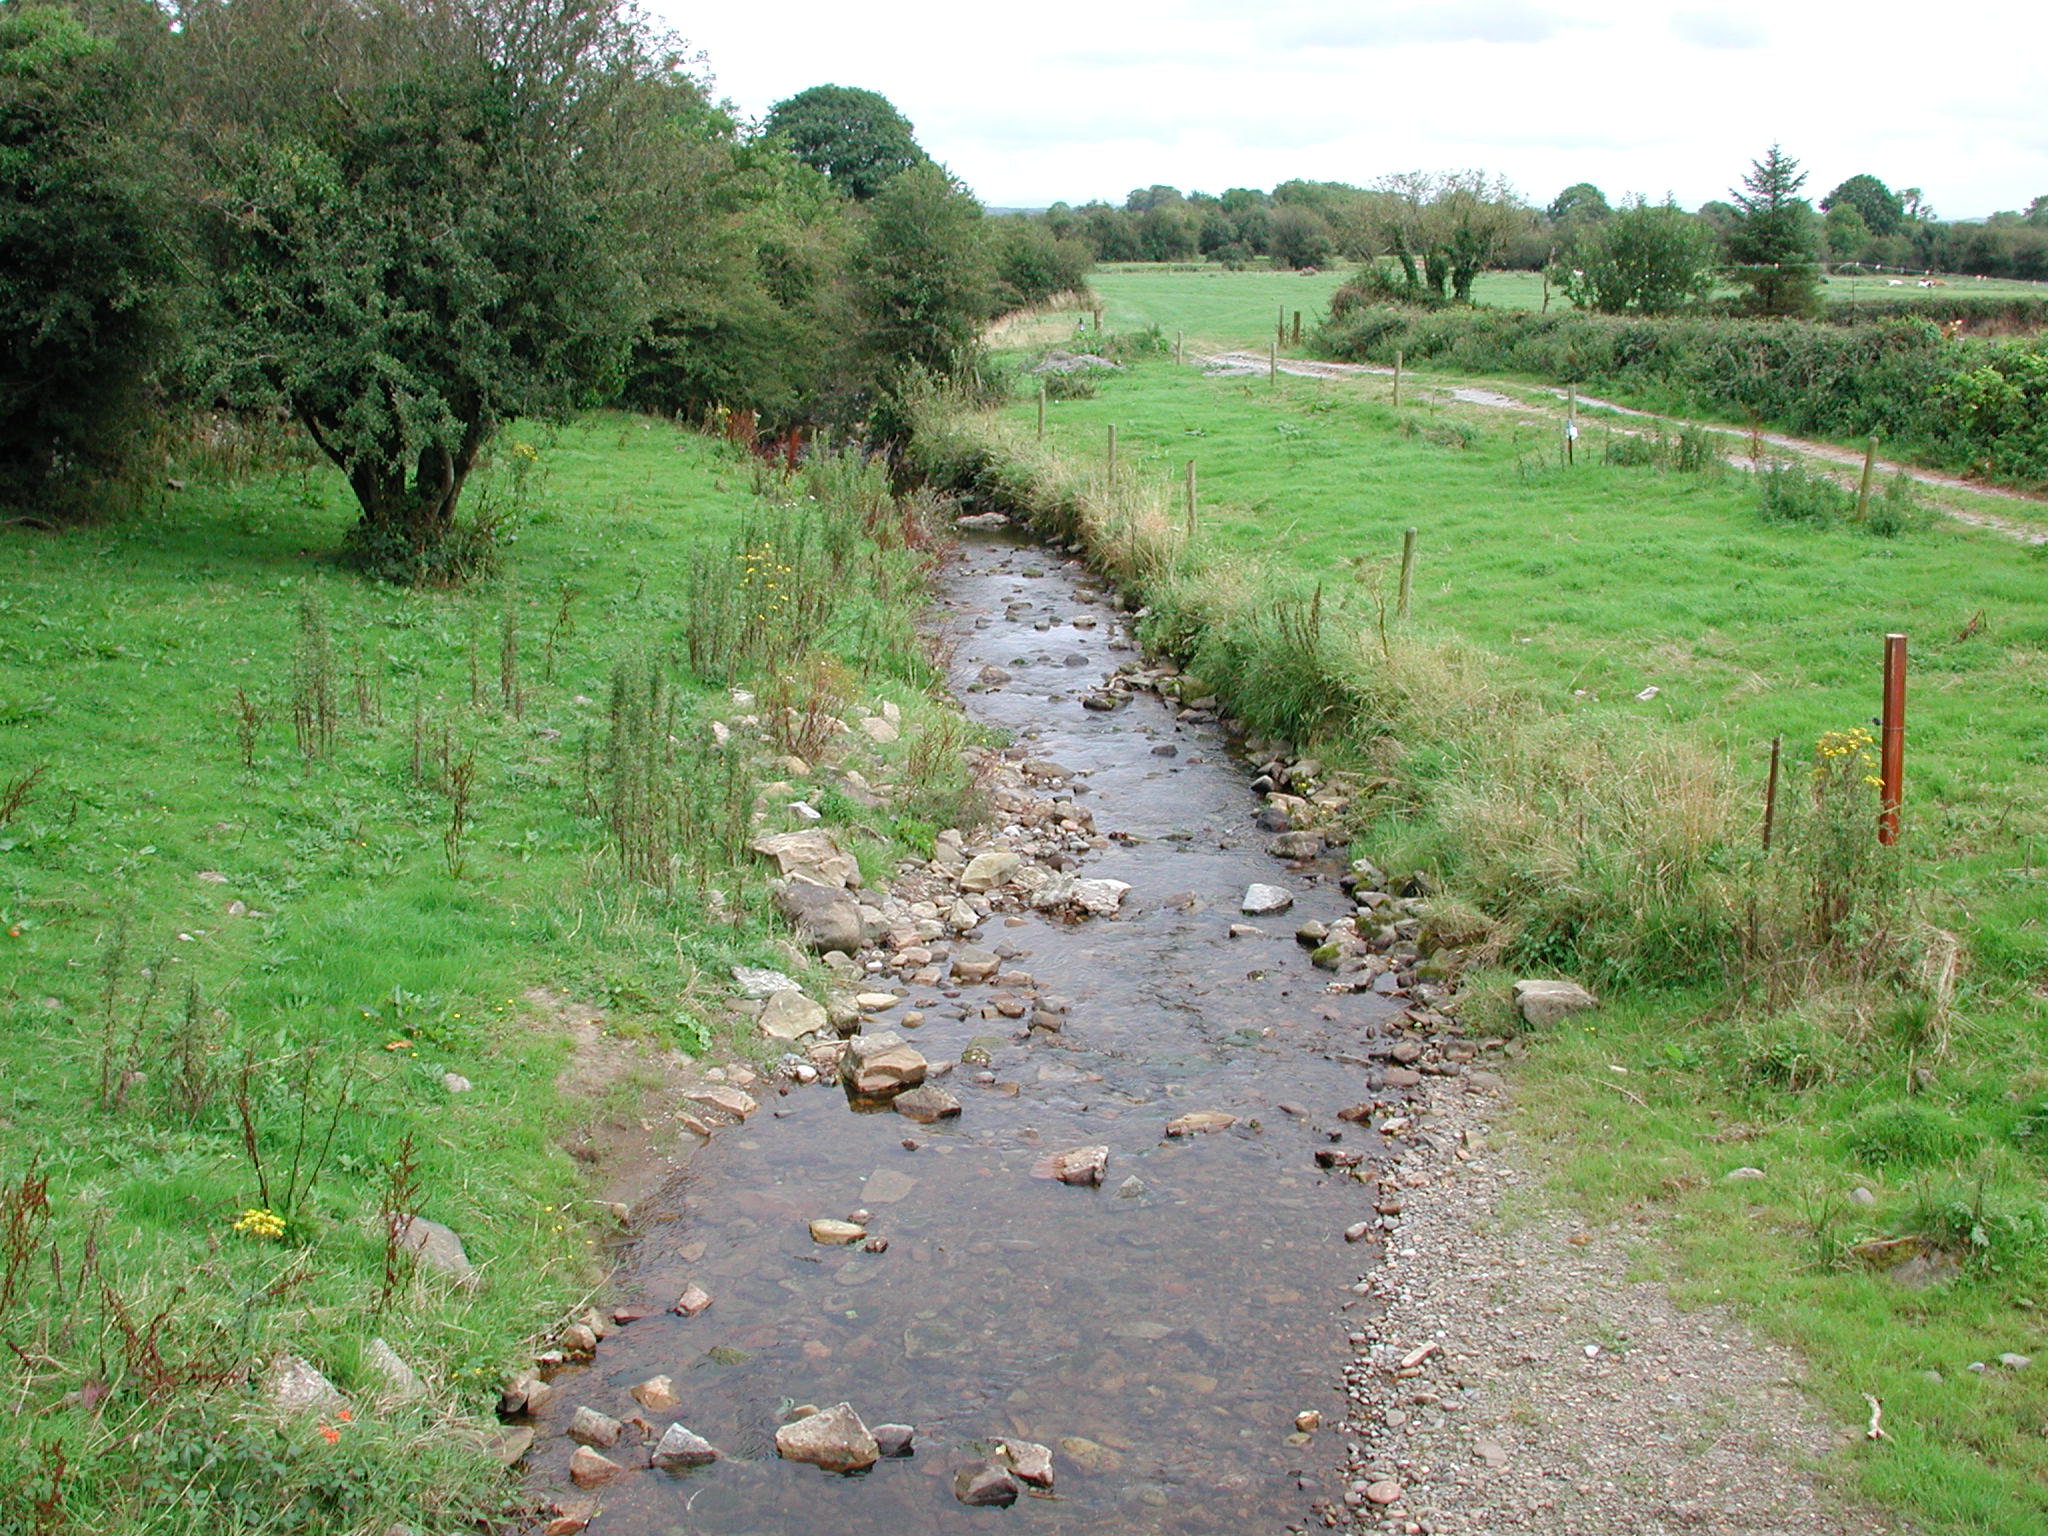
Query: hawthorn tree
pixel 1772 243
pixel 88 259
pixel 1643 258
pixel 422 218
pixel 921 279
pixel 856 137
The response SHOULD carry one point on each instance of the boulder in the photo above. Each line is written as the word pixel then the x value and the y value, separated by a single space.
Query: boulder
pixel 295 1386
pixel 925 1104
pixel 1031 1462
pixel 735 1103
pixel 678 1447
pixel 1543 1003
pixel 1296 845
pixel 657 1394
pixel 876 1066
pixel 790 1016
pixel 589 1427
pixel 826 917
pixel 758 982
pixel 401 1382
pixel 984 1482
pixel 1261 900
pixel 971 965
pixel 834 1439
pixel 986 871
pixel 435 1246
pixel 813 855
pixel 587 1469
pixel 1091 898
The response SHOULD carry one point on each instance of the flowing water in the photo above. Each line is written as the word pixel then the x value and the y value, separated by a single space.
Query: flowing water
pixel 1160 1337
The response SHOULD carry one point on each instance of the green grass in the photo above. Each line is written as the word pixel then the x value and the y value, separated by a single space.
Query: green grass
pixel 308 914
pixel 1218 307
pixel 1571 591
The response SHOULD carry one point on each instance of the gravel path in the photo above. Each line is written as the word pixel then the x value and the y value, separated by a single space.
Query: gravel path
pixel 1247 364
pixel 1519 1380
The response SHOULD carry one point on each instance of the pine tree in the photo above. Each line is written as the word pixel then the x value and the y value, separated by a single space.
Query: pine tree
pixel 1773 243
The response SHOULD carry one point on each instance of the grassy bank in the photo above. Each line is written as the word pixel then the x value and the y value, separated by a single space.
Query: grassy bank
pixel 1569 735
pixel 280 850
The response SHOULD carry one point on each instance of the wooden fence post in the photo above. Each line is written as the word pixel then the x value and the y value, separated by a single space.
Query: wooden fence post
pixel 1297 327
pixel 1771 792
pixel 1863 486
pixel 1397 378
pixel 1041 408
pixel 1272 363
pixel 1891 749
pixel 1191 498
pixel 1407 571
pixel 1112 453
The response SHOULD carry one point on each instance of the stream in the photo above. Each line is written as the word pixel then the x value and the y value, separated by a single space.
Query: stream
pixel 1160 1332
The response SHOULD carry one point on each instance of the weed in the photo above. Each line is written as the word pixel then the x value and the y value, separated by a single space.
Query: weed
pixel 249 718
pixel 396 1204
pixel 460 783
pixel 510 694
pixel 313 694
pixel 15 792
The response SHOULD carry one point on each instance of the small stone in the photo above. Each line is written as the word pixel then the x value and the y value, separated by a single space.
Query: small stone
pixel 1260 900
pixel 985 1483
pixel 678 1447
pixel 885 1186
pixel 455 1082
pixel 1132 1188
pixel 1358 1232
pixel 525 1393
pixel 401 1382
pixel 1385 1491
pixel 986 871
pixel 693 1300
pixel 587 1469
pixel 834 1439
pixel 570 1519
pixel 1200 1123
pixel 834 1233
pixel 510 1443
pixel 726 1100
pixel 2013 1362
pixel 589 1427
pixel 1862 1197
pixel 657 1394
pixel 1030 1461
pixel 1735 1174
pixel 1308 1420
pixel 894 1439
pixel 435 1246
pixel 1296 845
pixel 1081 1165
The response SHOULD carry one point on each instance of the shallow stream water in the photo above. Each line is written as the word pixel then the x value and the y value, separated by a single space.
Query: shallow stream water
pixel 1161 1340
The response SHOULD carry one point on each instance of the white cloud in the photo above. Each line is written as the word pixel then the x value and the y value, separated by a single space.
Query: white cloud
pixel 1076 101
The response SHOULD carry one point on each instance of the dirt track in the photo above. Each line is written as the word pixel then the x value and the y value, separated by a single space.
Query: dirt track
pixel 1232 364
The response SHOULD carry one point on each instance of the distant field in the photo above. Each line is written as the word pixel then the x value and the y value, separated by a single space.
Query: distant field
pixel 1238 309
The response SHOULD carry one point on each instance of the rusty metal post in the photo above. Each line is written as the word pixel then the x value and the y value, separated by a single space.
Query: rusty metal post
pixel 1891 752
pixel 1771 792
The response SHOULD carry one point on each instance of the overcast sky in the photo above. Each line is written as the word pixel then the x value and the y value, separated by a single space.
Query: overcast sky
pixel 1056 99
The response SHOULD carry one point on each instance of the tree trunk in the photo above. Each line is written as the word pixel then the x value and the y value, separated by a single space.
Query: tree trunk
pixel 404 532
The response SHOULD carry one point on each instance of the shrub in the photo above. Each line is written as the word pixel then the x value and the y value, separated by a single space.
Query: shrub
pixel 1904 1135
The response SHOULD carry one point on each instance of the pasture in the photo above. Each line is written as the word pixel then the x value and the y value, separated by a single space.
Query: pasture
pixel 1617 599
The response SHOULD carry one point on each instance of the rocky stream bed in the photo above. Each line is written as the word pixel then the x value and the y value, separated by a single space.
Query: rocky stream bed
pixel 1062 1213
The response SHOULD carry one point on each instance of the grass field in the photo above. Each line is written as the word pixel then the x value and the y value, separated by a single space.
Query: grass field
pixel 1585 588
pixel 238 967
pixel 1218 307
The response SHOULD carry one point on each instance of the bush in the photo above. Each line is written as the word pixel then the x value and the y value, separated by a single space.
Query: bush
pixel 1970 405
pixel 1904 1136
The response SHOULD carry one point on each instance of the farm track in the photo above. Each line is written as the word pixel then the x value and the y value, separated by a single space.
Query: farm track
pixel 1236 364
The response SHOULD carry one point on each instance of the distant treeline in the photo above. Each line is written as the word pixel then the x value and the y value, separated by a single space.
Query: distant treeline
pixel 1313 223
pixel 1972 406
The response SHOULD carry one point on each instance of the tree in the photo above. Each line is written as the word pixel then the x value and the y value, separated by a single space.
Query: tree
pixel 1032 263
pixel 423 218
pixel 856 137
pixel 1879 207
pixel 1579 203
pixel 1772 244
pixel 1646 258
pixel 921 279
pixel 1442 230
pixel 1300 237
pixel 2037 211
pixel 87 261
